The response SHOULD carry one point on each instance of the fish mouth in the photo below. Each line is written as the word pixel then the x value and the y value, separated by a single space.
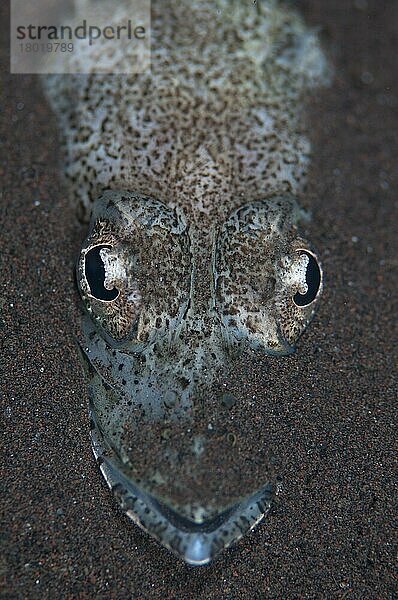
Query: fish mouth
pixel 195 542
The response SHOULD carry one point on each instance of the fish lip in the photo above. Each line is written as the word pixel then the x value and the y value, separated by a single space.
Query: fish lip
pixel 196 543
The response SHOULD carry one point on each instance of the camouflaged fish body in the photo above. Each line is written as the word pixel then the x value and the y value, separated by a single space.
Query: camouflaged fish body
pixel 193 265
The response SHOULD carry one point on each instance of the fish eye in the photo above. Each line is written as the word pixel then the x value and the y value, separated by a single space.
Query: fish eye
pixel 313 281
pixel 94 271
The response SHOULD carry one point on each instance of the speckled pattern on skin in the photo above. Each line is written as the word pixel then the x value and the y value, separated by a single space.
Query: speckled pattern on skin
pixel 215 122
pixel 331 532
pixel 201 160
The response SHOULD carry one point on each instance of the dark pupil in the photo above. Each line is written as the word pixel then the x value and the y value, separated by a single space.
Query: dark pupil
pixel 313 280
pixel 95 274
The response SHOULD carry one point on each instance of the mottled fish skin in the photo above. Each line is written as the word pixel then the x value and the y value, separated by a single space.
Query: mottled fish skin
pixel 191 174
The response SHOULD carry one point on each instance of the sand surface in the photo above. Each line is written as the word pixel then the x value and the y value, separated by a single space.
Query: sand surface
pixel 330 533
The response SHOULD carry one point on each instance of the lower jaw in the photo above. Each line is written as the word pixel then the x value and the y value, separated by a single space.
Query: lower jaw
pixel 195 543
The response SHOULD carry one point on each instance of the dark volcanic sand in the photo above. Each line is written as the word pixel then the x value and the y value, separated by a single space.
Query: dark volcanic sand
pixel 330 534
